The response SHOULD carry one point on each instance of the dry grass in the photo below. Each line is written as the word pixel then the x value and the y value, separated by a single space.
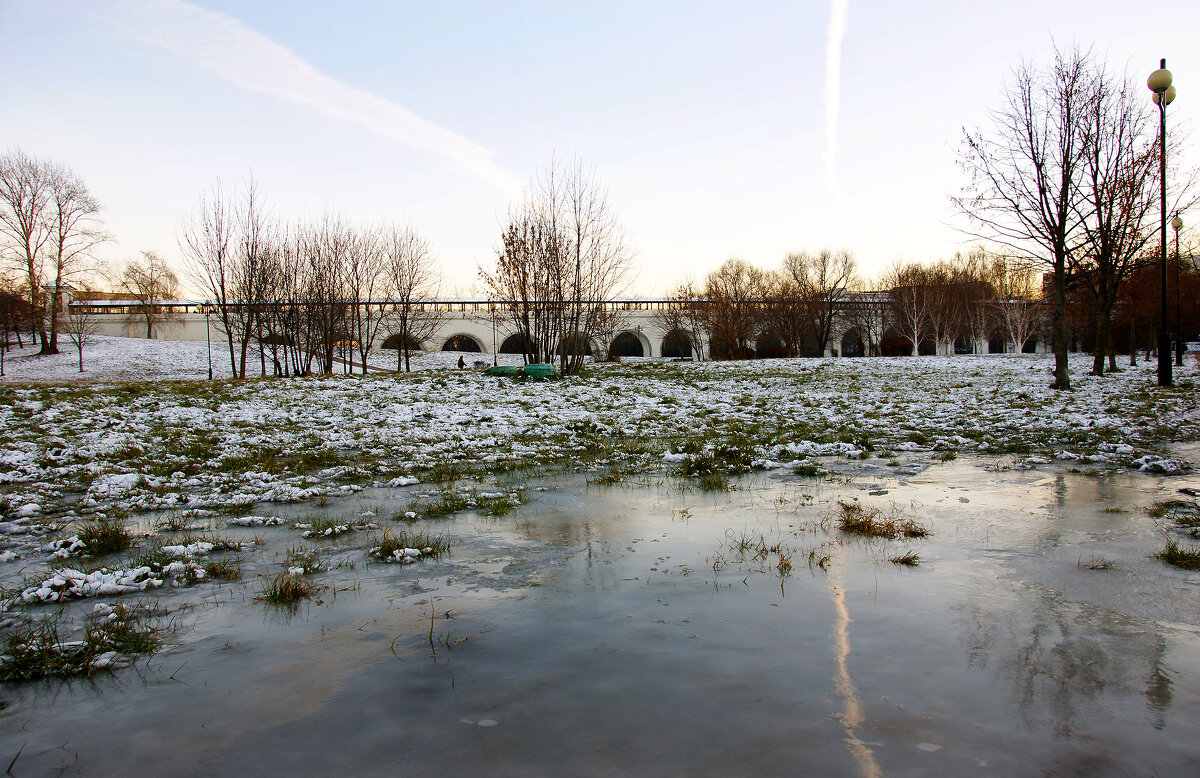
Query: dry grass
pixel 287 589
pixel 907 559
pixel 1174 554
pixel 874 523
pixel 40 649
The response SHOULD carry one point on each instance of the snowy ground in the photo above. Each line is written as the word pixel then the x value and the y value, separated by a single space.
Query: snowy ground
pixel 161 440
pixel 107 359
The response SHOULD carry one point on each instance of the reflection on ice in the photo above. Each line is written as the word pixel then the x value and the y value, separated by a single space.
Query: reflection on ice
pixel 611 630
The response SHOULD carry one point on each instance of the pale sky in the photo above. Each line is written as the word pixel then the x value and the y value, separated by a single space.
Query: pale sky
pixel 721 129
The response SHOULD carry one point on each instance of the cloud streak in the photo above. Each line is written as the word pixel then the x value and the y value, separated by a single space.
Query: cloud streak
pixel 839 11
pixel 235 53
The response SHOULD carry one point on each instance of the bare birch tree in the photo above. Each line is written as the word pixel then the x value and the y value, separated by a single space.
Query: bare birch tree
pixel 413 283
pixel 1017 301
pixel 908 288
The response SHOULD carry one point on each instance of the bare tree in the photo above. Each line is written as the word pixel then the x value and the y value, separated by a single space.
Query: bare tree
pixel 525 282
pixel 367 280
pixel 207 242
pixel 786 313
pixel 149 281
pixel 908 288
pixel 869 310
pixel 682 317
pixel 1017 301
pixel 81 324
pixel 75 229
pixel 971 274
pixel 562 260
pixel 733 309
pixel 1024 173
pixel 413 283
pixel 26 188
pixel 822 280
pixel 14 312
pixel 1118 200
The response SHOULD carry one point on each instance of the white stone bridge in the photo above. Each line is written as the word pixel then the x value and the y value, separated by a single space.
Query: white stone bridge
pixel 478 325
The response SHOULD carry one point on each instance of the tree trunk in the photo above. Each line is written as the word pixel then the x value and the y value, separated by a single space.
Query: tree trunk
pixel 1062 374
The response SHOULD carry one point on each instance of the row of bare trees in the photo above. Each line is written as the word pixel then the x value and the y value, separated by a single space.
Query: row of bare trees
pixel 795 306
pixel 49 225
pixel 741 310
pixel 969 298
pixel 562 260
pixel 303 297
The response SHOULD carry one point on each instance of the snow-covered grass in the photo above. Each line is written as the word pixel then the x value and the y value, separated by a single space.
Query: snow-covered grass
pixel 109 359
pixel 73 448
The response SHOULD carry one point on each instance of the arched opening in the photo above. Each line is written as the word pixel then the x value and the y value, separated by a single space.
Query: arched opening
pixel 397 342
pixel 1030 346
pixel 575 345
pixel 852 344
pixel 962 346
pixel 895 344
pixel 627 344
pixel 997 343
pixel 928 348
pixel 517 344
pixel 677 345
pixel 769 344
pixel 462 343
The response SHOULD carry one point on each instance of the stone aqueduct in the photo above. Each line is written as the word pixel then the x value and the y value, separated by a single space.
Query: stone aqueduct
pixel 482 326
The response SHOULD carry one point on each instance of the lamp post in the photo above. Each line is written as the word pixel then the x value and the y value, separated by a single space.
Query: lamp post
pixel 1177 225
pixel 207 336
pixel 495 353
pixel 1159 83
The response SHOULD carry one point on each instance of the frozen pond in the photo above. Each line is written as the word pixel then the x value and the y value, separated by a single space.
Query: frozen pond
pixel 601 630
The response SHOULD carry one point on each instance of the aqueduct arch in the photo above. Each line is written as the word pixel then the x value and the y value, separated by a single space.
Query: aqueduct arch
pixel 463 342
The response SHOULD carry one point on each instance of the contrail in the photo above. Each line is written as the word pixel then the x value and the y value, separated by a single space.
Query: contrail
pixel 839 10
pixel 228 49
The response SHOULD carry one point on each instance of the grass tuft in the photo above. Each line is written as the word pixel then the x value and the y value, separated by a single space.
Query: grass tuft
pixel 105 536
pixel 714 482
pixel 872 523
pixel 393 547
pixel 223 570
pixel 305 559
pixel 1174 554
pixel 908 559
pixel 287 589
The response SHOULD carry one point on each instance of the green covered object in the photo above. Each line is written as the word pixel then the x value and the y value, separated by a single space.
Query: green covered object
pixel 539 370
pixel 507 370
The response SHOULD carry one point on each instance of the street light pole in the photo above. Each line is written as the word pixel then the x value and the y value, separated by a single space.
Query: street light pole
pixel 1159 83
pixel 1177 224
